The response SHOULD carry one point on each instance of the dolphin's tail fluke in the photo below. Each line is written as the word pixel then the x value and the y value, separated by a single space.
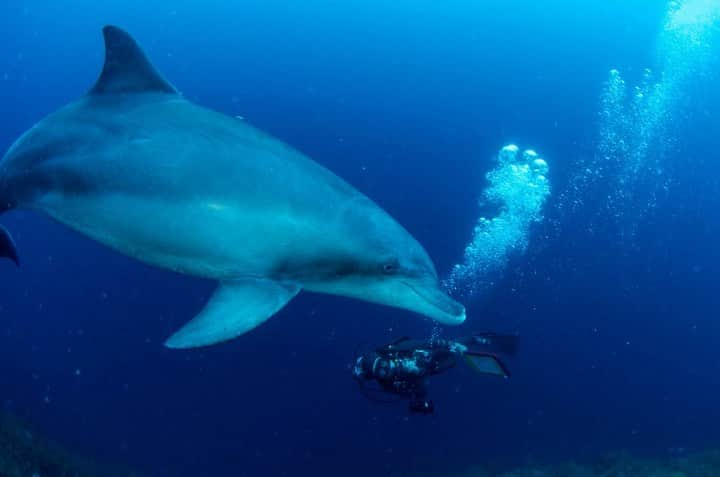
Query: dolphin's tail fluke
pixel 7 246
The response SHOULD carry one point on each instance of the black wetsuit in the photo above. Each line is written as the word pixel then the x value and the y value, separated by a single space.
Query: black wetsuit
pixel 402 367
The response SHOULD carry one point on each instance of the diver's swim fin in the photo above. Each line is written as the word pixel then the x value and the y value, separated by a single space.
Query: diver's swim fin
pixel 7 246
pixel 486 363
pixel 506 344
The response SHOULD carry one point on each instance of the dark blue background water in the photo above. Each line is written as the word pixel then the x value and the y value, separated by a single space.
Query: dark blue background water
pixel 408 101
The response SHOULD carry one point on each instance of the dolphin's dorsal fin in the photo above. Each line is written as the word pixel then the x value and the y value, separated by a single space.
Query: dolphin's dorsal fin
pixel 126 68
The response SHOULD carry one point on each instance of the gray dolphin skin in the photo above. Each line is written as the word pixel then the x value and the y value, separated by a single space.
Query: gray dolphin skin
pixel 138 168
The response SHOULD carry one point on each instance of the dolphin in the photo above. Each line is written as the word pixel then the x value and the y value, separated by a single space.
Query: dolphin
pixel 138 168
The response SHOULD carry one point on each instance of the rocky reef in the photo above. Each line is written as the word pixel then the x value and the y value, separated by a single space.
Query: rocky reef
pixel 700 464
pixel 25 453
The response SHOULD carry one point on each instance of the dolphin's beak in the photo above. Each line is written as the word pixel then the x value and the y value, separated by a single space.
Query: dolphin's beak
pixel 435 303
pixel 421 295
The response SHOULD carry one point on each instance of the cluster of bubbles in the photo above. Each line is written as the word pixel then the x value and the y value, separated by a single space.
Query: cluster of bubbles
pixel 629 160
pixel 519 187
pixel 633 142
pixel 633 119
pixel 686 42
pixel 630 122
pixel 636 121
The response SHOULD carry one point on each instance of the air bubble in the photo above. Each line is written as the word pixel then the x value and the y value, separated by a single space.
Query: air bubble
pixel 518 185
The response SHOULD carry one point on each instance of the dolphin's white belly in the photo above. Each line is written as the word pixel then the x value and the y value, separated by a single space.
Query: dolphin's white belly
pixel 200 237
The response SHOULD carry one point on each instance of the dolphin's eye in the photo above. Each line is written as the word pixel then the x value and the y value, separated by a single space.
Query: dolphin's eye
pixel 390 267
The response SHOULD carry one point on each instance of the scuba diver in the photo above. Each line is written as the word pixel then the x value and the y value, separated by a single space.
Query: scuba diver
pixel 401 368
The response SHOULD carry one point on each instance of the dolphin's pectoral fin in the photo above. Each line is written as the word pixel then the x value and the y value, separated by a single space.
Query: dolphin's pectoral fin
pixel 236 308
pixel 7 246
pixel 127 69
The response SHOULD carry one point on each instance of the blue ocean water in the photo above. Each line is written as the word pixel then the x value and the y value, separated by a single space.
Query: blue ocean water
pixel 614 294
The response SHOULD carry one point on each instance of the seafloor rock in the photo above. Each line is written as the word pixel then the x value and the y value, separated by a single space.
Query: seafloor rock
pixel 701 464
pixel 24 453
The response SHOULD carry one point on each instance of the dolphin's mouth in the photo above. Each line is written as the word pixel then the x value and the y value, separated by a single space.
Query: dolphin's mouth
pixel 440 306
